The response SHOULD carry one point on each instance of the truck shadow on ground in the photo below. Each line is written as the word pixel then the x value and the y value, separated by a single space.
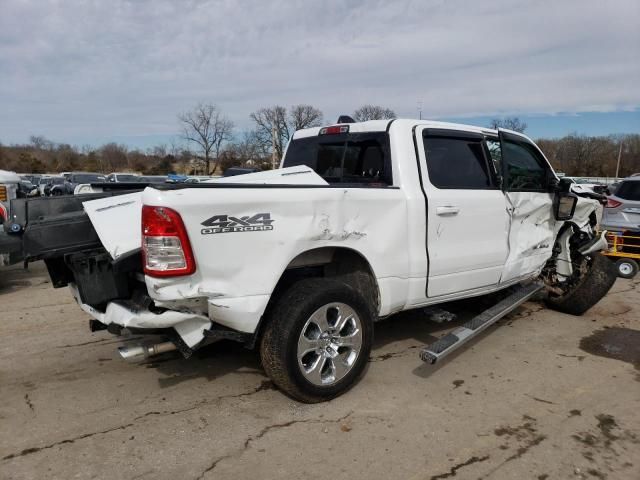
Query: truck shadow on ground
pixel 210 363
pixel 409 330
pixel 16 277
pixel 469 310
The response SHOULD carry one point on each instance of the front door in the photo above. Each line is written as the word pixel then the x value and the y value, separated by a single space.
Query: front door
pixel 527 176
pixel 467 220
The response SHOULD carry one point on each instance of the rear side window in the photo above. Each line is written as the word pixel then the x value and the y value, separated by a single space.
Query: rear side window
pixel 629 191
pixel 356 158
pixel 457 163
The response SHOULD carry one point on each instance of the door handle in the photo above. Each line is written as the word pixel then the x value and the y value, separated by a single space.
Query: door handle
pixel 447 210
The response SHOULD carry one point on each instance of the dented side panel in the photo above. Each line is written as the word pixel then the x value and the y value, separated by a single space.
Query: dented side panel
pixel 238 266
pixel 532 233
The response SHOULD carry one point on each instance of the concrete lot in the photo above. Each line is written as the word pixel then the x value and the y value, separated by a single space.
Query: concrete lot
pixel 523 402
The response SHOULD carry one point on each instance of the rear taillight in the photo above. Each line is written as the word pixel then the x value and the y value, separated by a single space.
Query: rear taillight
pixel 3 213
pixel 3 193
pixel 166 249
pixel 611 203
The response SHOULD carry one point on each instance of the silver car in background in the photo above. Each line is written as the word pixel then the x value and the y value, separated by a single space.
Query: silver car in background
pixel 622 211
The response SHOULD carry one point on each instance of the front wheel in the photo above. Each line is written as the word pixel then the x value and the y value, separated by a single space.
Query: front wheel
pixel 317 339
pixel 586 290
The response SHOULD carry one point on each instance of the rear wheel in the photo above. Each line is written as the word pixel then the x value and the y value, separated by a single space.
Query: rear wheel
pixel 587 290
pixel 317 339
pixel 627 267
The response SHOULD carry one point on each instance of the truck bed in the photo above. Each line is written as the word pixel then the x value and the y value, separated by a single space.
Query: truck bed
pixel 50 227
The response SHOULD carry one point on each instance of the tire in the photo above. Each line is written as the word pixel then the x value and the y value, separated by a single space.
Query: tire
pixel 293 327
pixel 627 268
pixel 589 289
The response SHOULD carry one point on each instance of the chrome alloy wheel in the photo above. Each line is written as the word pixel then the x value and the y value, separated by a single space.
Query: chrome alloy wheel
pixel 329 344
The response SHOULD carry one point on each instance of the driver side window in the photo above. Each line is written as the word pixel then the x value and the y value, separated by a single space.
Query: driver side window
pixel 525 171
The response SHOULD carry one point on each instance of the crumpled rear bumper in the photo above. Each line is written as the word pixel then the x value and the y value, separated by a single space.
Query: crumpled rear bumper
pixel 189 326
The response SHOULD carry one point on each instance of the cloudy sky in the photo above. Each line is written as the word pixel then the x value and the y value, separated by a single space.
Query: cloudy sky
pixel 94 71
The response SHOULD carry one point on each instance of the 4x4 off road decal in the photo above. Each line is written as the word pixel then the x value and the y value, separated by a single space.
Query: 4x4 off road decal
pixel 260 222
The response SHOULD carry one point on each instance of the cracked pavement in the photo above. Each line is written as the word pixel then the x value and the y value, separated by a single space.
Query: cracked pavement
pixel 522 401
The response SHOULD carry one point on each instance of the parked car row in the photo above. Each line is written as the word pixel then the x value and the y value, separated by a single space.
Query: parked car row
pixel 67 183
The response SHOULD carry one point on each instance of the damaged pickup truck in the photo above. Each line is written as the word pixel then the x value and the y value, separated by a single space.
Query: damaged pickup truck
pixel 363 220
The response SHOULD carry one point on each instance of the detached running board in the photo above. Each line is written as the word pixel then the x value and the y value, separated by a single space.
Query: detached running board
pixel 461 335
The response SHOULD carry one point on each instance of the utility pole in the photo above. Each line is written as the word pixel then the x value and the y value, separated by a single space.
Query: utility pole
pixel 274 154
pixel 619 157
pixel 420 109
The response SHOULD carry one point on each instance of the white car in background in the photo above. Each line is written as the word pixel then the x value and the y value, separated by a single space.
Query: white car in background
pixel 123 177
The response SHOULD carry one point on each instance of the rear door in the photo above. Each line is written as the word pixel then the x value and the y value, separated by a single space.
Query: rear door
pixel 527 177
pixel 466 214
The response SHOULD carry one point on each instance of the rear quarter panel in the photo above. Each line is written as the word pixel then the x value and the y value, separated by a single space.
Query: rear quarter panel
pixel 372 221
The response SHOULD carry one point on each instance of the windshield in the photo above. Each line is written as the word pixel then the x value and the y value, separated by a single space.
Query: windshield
pixel 56 181
pixel 87 178
pixel 344 158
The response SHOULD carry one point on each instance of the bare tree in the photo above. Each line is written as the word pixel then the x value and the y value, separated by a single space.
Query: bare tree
pixel 274 125
pixel 304 116
pixel 113 157
pixel 208 129
pixel 373 112
pixel 272 128
pixel 225 128
pixel 510 123
pixel 39 142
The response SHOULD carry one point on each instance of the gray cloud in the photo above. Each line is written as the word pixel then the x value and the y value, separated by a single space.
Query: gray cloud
pixel 94 69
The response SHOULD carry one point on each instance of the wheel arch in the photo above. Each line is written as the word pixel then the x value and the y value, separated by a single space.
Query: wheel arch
pixel 338 262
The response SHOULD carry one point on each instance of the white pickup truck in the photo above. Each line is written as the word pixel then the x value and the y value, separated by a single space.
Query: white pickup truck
pixel 363 220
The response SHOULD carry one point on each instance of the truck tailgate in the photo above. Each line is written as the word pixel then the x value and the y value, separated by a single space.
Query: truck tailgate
pixel 117 222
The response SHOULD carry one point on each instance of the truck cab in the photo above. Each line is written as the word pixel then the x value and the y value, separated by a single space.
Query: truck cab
pixel 458 196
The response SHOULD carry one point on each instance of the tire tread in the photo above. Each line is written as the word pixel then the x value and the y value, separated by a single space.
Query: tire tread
pixel 281 322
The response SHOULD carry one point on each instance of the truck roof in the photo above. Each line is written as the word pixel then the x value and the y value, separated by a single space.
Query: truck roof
pixel 408 123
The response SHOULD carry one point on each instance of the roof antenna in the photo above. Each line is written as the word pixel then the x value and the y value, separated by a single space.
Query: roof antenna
pixel 345 119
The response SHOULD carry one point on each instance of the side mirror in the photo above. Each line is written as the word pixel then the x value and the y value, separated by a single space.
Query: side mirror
pixel 564 205
pixel 564 184
pixel 553 183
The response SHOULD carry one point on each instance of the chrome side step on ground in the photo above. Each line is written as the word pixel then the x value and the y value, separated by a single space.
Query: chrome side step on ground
pixel 461 335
